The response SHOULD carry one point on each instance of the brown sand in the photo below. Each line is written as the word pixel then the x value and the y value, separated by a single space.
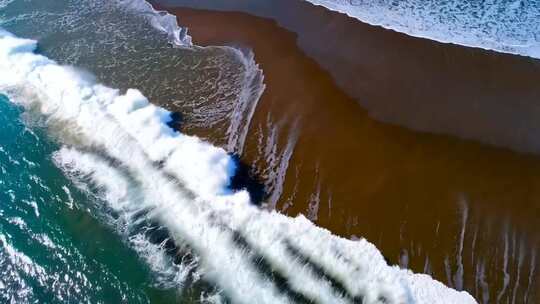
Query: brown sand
pixel 431 203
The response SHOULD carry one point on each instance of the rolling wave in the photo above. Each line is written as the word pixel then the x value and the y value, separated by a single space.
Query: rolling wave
pixel 122 145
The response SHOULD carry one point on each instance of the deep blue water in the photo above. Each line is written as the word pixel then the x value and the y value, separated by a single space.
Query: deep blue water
pixel 52 250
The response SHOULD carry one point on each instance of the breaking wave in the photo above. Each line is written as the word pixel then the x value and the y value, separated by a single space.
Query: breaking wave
pixel 157 178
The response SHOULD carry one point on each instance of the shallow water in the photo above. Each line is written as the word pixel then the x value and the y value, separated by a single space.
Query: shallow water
pixel 500 25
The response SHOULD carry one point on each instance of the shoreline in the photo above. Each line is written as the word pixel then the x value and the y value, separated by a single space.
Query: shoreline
pixel 467 96
pixel 418 197
pixel 510 48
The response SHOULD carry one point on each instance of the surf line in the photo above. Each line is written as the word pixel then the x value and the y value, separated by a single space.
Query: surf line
pixel 204 212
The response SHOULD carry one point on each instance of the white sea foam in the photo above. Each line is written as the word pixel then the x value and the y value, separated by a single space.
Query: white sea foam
pixel 250 93
pixel 117 191
pixel 275 162
pixel 238 112
pixel 4 3
pixel 507 26
pixel 122 143
pixel 15 266
pixel 160 20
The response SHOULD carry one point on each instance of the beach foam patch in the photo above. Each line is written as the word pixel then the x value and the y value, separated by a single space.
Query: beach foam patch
pixel 503 26
pixel 160 20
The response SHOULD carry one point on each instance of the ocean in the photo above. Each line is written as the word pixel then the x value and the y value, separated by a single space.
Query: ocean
pixel 56 244
pixel 136 168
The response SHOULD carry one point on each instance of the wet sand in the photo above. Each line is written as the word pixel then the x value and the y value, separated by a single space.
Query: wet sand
pixel 465 212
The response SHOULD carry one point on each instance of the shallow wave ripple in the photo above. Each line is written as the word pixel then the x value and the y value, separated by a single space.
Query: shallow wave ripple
pixel 508 26
pixel 160 20
pixel 148 173
pixel 239 112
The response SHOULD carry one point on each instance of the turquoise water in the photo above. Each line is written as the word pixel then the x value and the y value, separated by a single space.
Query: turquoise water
pixel 52 250
pixel 60 242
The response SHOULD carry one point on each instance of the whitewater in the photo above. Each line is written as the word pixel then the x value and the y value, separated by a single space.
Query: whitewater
pixel 507 26
pixel 122 145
